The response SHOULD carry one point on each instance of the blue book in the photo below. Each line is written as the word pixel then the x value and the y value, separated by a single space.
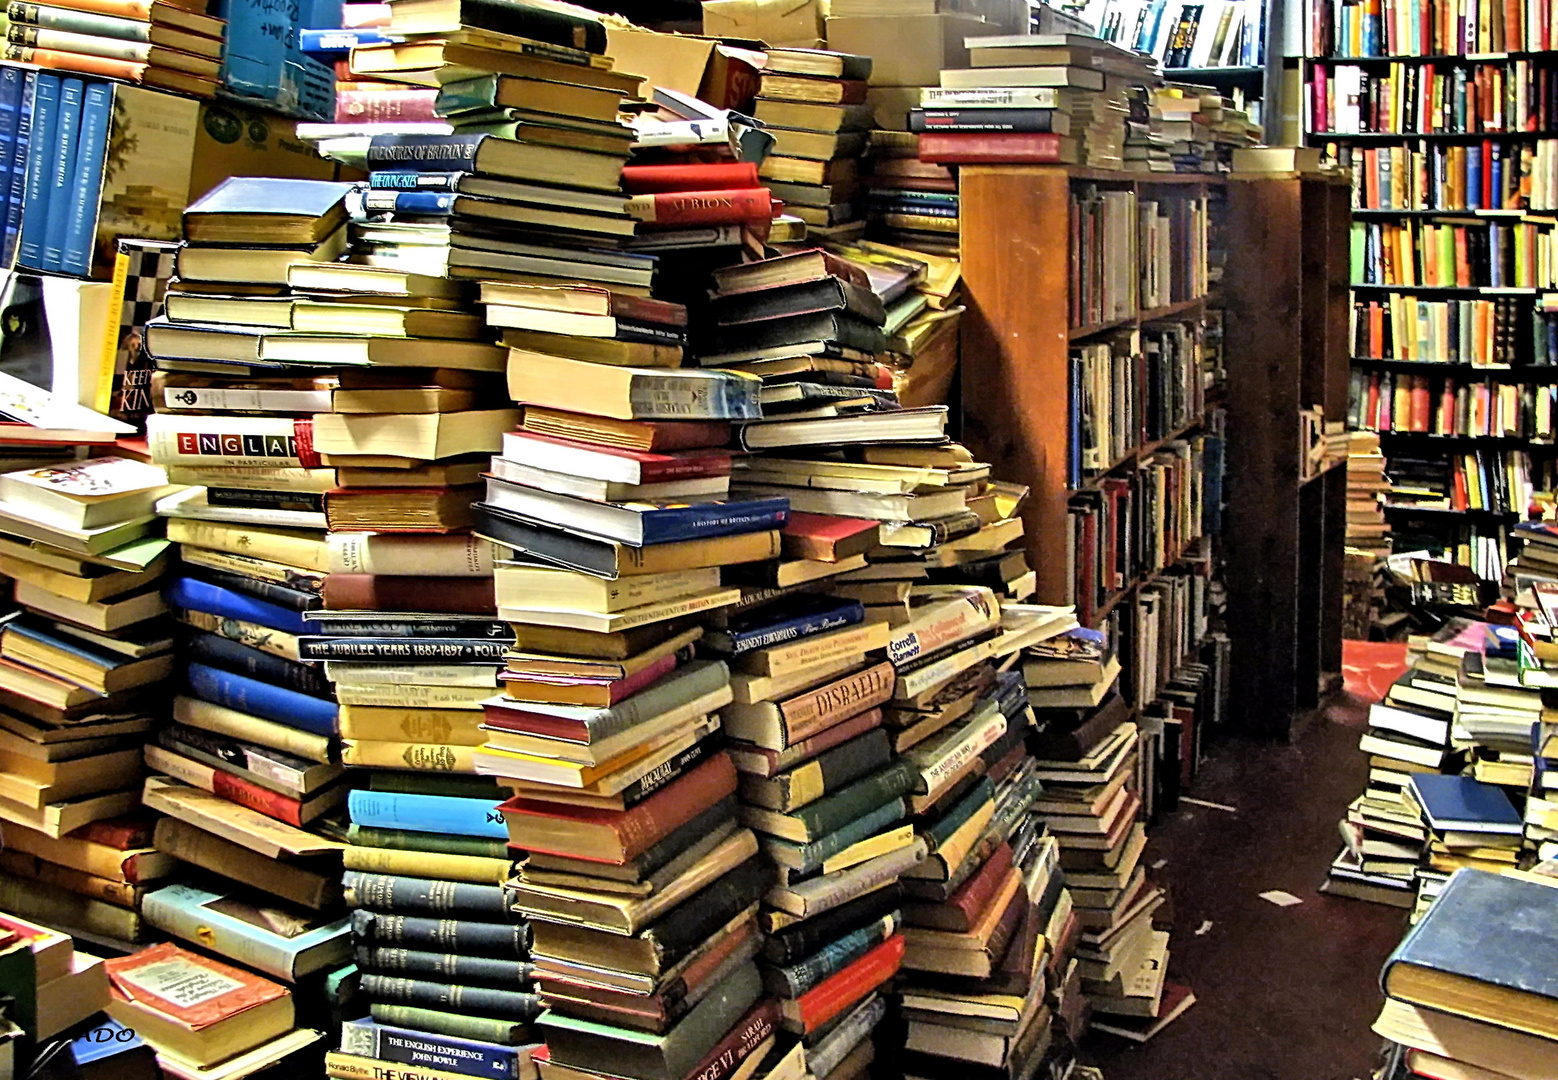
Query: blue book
pixel 1464 804
pixel 420 202
pixel 1484 949
pixel 333 44
pixel 233 928
pixel 246 695
pixel 81 219
pixel 13 84
pixel 16 180
pixel 412 179
pixel 447 1053
pixel 103 1041
pixel 1501 642
pixel 1474 182
pixel 63 173
pixel 231 655
pixel 42 150
pixel 427 813
pixel 186 592
pixel 785 621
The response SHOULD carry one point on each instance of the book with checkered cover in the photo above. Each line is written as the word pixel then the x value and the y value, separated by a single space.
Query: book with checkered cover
pixel 141 272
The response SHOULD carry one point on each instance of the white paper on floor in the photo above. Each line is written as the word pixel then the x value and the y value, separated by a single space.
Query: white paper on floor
pixel 1280 898
pixel 1204 928
pixel 1209 805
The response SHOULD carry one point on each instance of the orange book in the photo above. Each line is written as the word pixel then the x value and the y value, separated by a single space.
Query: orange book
pixel 1371 178
pixel 1371 412
pixel 1444 423
pixel 844 988
pixel 1420 406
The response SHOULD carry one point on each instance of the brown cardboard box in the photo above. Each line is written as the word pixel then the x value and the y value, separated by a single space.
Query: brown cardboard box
pixel 891 104
pixel 235 140
pixel 723 76
pixel 794 23
pixel 908 50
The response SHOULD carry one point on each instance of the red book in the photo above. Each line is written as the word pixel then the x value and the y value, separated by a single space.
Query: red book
pixel 273 804
pixel 844 988
pixel 826 538
pixel 739 1043
pixel 617 836
pixel 120 833
pixel 617 464
pixel 384 106
pixel 761 761
pixel 710 176
pixel 961 911
pixel 996 148
pixel 379 592
pixel 661 436
pixel 186 989
pixel 732 206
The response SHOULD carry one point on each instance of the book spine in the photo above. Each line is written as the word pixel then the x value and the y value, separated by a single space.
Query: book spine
pixel 304 552
pixel 119 893
pixel 508 1004
pixel 376 592
pixel 271 592
pixel 194 845
pixel 384 106
pixel 741 641
pixel 118 834
pixel 249 441
pixel 263 638
pixel 427 813
pixel 409 650
pixel 951 821
pixel 341 1066
pixel 704 176
pixel 675 804
pixel 834 1048
pixel 16 181
pixel 977 119
pixel 739 1044
pixel 431 556
pixel 232 788
pixel 407 895
pixel 559 35
pixel 209 716
pixel 226 653
pixel 972 148
pixel 402 840
pixel 389 625
pixel 832 812
pixel 678 209
pixel 793 981
pixel 507 940
pixel 935 773
pixel 822 1003
pixel 43 147
pixel 37 900
pixel 478 1028
pixel 288 707
pixel 62 169
pixel 193 594
pixel 445 967
pixel 259 569
pixel 75 21
pixel 429 153
pixel 13 85
pixel 176 911
pixel 810 857
pixel 447 867
pixel 820 709
pixel 413 180
pixel 689 925
pixel 365 1038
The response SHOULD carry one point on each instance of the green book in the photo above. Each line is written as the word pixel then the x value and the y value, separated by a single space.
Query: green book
pixel 443 844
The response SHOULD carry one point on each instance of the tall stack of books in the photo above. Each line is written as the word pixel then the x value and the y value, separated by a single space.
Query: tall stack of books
pixel 813 102
pixel 443 959
pixel 1367 528
pixel 166 46
pixel 1471 1012
pixel 1089 79
pixel 81 665
pixel 911 203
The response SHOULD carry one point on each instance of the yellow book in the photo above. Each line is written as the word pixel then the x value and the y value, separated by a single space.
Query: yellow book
pixel 400 724
pixel 423 757
pixel 293 547
pixel 434 864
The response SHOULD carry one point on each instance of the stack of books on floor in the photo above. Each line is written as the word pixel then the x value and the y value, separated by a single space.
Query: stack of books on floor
pixel 82 664
pixel 1468 824
pixel 236 1025
pixel 639 883
pixel 1091 79
pixel 1456 1011
pixel 171 47
pixel 813 102
pixel 1367 527
pixel 50 987
pixel 911 203
pixel 443 961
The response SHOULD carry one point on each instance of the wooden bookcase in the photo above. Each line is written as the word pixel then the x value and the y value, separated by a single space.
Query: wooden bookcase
pixel 1285 339
pixel 1017 338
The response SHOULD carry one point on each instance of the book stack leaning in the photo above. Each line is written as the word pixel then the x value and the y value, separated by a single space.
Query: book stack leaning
pixel 81 666
pixel 639 883
pixel 174 47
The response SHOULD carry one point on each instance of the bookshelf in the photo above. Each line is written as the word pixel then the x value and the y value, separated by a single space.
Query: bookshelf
pixel 1041 301
pixel 1286 350
pixel 1447 115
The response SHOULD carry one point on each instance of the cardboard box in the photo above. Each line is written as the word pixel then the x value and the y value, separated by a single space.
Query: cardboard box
pixel 795 23
pixel 908 50
pixel 235 140
pixel 67 1001
pixel 724 76
pixel 262 61
pixel 891 104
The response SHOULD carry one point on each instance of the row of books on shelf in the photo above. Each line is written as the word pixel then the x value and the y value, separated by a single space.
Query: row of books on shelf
pixel 1492 175
pixel 1133 388
pixel 1421 99
pixel 1130 253
pixel 1401 402
pixel 1486 253
pixel 1505 332
pixel 1141 522
pixel 1218 33
pixel 1497 481
pixel 1346 28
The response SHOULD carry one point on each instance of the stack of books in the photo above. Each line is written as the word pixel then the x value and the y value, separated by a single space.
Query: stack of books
pixel 81 664
pixel 1090 80
pixel 91 880
pixel 912 203
pixel 444 962
pixel 237 1025
pixel 1468 823
pixel 50 986
pixel 1367 528
pixel 813 102
pixel 167 46
pixel 1474 1012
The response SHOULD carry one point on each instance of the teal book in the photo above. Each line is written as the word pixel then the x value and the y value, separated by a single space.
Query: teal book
pixel 269 940
pixel 63 179
pixel 1485 949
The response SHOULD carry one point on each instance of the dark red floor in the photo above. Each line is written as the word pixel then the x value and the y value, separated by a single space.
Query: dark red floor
pixel 1282 993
